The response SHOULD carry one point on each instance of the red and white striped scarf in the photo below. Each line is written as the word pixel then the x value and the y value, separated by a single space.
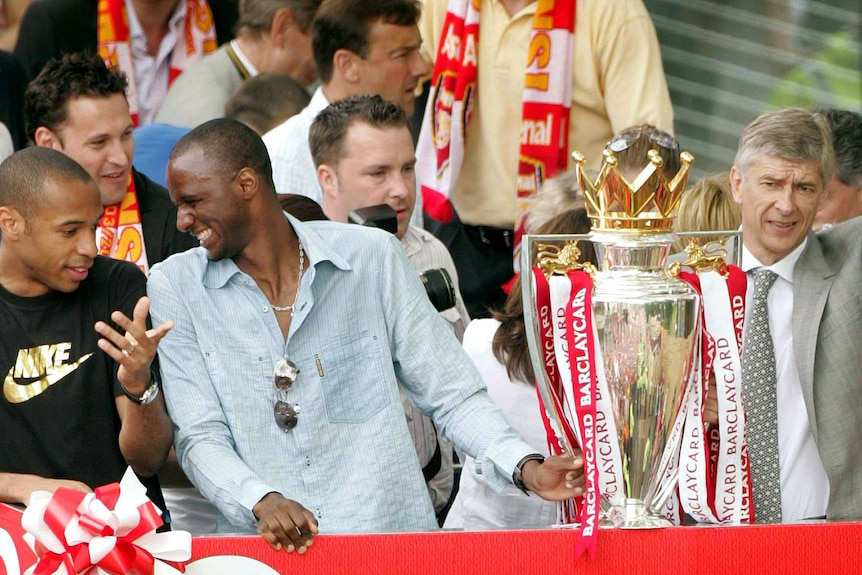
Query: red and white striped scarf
pixel 544 117
pixel 121 234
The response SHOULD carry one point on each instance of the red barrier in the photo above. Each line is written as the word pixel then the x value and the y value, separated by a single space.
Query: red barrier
pixel 787 549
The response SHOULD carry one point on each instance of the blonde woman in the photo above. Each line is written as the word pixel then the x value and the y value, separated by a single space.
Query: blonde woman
pixel 708 205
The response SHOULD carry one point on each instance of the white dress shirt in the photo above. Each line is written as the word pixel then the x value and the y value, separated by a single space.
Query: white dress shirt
pixel 804 484
pixel 152 72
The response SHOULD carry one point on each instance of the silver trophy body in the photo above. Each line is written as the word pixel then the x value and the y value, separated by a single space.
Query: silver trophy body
pixel 645 323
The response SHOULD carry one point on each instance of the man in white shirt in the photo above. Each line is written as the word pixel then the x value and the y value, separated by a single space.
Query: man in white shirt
pixel 360 47
pixel 364 156
pixel 783 162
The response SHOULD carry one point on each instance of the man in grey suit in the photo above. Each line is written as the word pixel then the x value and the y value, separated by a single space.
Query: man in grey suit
pixel 784 160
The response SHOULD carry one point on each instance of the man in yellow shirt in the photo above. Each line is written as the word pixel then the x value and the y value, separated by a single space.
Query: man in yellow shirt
pixel 617 81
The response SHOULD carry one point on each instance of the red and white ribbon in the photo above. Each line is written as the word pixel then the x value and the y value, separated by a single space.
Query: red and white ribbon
pixel 558 433
pixel 571 302
pixel 715 483
pixel 108 532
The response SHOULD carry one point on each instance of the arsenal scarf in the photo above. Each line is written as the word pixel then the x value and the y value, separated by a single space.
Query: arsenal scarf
pixel 120 234
pixel 545 112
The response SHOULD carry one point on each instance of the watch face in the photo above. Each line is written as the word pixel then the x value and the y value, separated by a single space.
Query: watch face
pixel 150 394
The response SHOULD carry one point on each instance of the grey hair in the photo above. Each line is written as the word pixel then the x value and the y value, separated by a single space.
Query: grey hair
pixel 794 134
pixel 255 16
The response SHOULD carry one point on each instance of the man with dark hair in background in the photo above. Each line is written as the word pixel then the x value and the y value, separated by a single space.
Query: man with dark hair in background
pixel 78 106
pixel 360 47
pixel 842 198
pixel 265 101
pixel 79 404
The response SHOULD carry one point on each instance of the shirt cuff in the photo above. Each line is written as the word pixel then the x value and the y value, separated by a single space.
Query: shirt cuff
pixel 498 464
pixel 251 496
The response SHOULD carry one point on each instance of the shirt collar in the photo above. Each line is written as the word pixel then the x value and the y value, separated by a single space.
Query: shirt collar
pixel 318 103
pixel 250 68
pixel 219 272
pixel 136 32
pixel 412 241
pixel 783 268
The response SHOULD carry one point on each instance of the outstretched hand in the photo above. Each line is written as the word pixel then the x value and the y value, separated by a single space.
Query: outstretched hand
pixel 559 477
pixel 135 349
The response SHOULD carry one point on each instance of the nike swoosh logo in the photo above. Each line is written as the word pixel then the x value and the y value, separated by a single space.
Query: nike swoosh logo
pixel 15 392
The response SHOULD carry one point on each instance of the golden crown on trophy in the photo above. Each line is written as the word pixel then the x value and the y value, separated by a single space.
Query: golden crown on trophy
pixel 648 203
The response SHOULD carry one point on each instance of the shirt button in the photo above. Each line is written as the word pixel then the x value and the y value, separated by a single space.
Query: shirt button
pixel 308 462
pixel 318 512
pixel 264 309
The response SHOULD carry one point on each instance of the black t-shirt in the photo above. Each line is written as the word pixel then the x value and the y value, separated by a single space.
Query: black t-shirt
pixel 58 416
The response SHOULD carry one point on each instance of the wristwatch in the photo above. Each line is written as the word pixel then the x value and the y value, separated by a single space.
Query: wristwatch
pixel 516 475
pixel 150 394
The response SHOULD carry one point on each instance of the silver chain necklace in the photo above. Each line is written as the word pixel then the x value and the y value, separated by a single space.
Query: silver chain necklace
pixel 292 306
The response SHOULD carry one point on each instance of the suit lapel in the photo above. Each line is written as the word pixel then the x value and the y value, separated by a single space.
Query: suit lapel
pixel 812 279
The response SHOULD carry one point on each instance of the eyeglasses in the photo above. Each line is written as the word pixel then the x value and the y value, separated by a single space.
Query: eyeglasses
pixel 627 138
pixel 286 413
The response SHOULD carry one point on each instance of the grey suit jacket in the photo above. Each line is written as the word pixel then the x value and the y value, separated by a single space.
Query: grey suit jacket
pixel 827 341
pixel 200 93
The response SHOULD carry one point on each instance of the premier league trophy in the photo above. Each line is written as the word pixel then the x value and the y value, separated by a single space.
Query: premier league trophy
pixel 642 335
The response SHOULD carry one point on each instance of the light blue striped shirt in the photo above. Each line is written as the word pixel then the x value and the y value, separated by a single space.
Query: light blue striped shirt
pixel 362 321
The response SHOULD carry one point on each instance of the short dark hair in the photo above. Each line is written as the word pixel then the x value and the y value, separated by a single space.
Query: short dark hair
pixel 302 208
pixel 61 80
pixel 265 101
pixel 847 141
pixel 345 25
pixel 23 176
pixel 229 146
pixel 329 129
pixel 255 16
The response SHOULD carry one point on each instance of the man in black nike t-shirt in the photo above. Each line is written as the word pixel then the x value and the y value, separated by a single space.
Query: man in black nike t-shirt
pixel 79 400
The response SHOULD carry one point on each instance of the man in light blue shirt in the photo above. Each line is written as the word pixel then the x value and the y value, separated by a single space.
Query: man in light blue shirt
pixel 341 304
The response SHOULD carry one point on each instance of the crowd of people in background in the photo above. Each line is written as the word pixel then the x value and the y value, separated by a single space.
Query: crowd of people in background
pixel 193 165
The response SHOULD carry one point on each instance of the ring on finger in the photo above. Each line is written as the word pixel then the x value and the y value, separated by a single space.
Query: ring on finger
pixel 130 351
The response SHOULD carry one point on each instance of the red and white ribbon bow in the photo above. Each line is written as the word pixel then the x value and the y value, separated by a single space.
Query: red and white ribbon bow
pixel 108 532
